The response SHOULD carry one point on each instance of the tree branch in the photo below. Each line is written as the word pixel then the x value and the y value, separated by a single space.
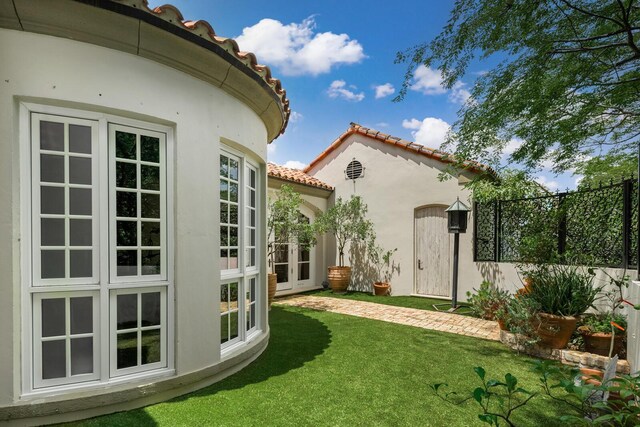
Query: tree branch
pixel 588 48
pixel 592 14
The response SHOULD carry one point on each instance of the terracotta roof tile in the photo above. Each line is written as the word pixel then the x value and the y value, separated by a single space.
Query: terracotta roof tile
pixel 203 29
pixel 407 145
pixel 295 175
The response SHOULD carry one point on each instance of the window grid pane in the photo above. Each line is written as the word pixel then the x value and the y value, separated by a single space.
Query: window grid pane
pixel 64 179
pixel 140 211
pixel 65 337
pixel 238 185
pixel 250 218
pixel 229 209
pixel 138 330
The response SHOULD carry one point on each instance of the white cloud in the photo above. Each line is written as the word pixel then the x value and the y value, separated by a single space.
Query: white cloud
pixel 337 90
pixel 578 180
pixel 382 125
pixel 294 164
pixel 430 132
pixel 271 148
pixel 295 117
pixel 411 124
pixel 512 146
pixel 296 49
pixel 546 182
pixel 384 90
pixel 547 164
pixel 459 94
pixel 428 81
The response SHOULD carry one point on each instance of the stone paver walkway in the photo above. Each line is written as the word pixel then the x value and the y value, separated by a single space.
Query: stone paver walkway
pixel 434 320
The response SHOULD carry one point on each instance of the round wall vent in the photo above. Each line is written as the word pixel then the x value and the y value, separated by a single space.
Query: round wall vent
pixel 354 170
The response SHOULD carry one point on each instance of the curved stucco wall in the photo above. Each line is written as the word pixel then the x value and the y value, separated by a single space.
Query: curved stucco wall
pixel 61 72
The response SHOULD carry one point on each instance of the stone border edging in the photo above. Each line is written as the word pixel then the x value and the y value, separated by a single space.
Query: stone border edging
pixel 575 358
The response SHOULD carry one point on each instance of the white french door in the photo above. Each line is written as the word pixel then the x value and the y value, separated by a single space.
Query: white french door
pixel 293 264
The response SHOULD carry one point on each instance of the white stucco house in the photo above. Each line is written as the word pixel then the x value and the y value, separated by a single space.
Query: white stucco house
pixel 132 206
pixel 398 180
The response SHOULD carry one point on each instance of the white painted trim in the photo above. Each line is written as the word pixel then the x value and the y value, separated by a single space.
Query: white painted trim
pixel 38 339
pixel 243 274
pixel 100 185
pixel 113 247
pixel 113 319
pixel 36 214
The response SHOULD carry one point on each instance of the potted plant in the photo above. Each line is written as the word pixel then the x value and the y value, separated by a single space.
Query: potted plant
pixel 381 261
pixel 346 221
pixel 487 300
pixel 596 331
pixel 562 293
pixel 284 225
pixel 603 333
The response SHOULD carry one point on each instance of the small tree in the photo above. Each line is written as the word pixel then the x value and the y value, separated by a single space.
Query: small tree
pixel 381 260
pixel 285 224
pixel 346 221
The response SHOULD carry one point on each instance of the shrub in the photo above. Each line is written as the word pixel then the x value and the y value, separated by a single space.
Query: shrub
pixel 563 290
pixel 487 300
pixel 601 322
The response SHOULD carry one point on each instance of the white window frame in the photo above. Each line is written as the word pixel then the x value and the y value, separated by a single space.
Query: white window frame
pixel 102 290
pixel 38 339
pixel 243 274
pixel 113 248
pixel 36 215
pixel 113 345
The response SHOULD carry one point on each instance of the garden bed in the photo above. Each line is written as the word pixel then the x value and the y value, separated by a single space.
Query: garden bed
pixel 579 359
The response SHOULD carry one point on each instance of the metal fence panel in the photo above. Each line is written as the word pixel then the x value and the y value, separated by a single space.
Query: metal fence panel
pixel 597 226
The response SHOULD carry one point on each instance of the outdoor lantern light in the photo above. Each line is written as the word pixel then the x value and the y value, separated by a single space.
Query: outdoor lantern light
pixel 457 223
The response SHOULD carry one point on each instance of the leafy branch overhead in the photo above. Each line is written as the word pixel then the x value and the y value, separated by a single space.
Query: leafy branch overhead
pixel 567 84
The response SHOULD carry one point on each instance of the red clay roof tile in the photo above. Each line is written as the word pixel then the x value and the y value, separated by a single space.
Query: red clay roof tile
pixel 203 29
pixel 441 156
pixel 295 175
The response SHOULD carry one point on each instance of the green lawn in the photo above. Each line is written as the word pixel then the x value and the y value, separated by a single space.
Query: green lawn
pixel 398 301
pixel 326 369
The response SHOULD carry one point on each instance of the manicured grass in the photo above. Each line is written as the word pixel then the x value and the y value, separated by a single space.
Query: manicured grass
pixel 326 369
pixel 398 301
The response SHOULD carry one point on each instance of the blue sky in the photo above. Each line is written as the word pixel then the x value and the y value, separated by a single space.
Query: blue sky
pixel 336 61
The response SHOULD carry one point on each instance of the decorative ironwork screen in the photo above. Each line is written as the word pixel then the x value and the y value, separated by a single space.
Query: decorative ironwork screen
pixel 598 226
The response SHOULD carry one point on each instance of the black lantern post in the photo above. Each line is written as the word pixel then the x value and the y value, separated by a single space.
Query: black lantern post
pixel 457 223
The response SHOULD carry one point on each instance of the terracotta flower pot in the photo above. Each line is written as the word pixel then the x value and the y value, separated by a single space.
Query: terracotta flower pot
pixel 600 342
pixel 381 288
pixel 339 278
pixel 272 286
pixel 554 331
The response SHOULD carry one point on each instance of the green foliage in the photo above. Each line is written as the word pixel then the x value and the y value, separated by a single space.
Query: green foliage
pixel 611 167
pixel 347 221
pixel 566 85
pixel 601 322
pixel 487 300
pixel 381 260
pixel 497 399
pixel 563 290
pixel 520 314
pixel 285 224
pixel 511 184
pixel 612 403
